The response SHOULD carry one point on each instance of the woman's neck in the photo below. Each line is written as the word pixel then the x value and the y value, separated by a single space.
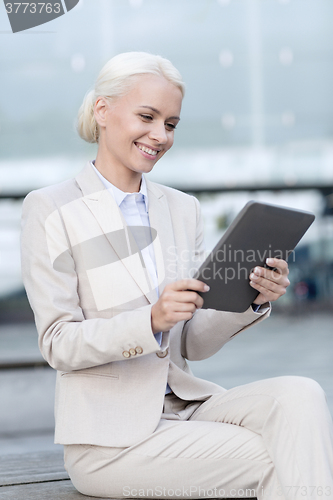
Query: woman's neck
pixel 123 178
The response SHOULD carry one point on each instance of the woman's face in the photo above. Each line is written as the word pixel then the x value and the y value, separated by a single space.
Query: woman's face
pixel 138 128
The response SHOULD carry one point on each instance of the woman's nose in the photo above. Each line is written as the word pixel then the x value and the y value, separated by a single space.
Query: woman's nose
pixel 158 133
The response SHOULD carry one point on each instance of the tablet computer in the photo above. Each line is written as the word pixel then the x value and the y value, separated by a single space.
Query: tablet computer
pixel 259 231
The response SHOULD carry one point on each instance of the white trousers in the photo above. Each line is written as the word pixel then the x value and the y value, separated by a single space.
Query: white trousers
pixel 271 439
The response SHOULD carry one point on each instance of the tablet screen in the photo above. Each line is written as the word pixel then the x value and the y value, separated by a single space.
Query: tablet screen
pixel 259 231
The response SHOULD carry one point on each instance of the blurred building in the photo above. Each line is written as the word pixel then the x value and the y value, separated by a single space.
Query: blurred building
pixel 258 109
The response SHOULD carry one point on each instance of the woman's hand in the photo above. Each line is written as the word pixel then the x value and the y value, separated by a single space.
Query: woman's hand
pixel 177 303
pixel 270 284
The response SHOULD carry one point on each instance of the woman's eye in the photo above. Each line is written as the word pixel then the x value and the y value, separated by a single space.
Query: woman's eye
pixel 149 118
pixel 146 117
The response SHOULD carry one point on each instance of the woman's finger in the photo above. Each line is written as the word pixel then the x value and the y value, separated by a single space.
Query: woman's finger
pixel 267 295
pixel 279 264
pixel 268 279
pixel 278 275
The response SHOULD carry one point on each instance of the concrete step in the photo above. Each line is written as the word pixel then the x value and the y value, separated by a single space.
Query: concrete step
pixel 37 476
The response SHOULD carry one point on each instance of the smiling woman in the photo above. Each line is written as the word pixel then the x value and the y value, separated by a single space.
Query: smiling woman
pixel 106 261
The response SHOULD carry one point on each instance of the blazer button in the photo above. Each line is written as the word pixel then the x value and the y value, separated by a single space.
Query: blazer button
pixel 139 350
pixel 132 351
pixel 126 354
pixel 163 353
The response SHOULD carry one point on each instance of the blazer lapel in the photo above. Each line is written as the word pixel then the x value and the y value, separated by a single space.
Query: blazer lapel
pixel 113 224
pixel 164 243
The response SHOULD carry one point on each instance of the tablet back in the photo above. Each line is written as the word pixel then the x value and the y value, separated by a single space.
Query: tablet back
pixel 260 230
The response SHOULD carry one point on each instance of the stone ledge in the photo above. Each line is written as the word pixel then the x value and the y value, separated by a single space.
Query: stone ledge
pixel 37 476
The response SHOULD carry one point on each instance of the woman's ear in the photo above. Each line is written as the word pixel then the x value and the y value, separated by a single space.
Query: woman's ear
pixel 100 111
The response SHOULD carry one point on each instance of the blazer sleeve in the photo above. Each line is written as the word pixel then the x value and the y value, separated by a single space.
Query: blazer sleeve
pixel 209 329
pixel 67 340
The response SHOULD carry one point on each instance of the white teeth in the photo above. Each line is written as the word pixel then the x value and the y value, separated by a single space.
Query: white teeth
pixel 147 150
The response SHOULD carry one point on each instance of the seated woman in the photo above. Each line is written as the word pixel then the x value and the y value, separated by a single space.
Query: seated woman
pixel 118 316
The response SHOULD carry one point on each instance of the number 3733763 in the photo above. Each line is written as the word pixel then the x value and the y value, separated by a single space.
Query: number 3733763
pixel 32 8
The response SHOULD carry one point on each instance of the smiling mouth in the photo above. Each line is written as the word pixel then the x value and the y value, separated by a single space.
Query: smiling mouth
pixel 149 151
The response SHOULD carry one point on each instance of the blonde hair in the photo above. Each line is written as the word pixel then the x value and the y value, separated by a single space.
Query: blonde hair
pixel 116 79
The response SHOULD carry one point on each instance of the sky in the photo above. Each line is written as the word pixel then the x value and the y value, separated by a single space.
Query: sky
pixel 258 72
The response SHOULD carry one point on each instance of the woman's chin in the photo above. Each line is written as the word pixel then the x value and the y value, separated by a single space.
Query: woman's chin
pixel 145 169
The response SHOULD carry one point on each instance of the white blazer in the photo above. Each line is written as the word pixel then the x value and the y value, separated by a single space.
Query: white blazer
pixel 92 298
